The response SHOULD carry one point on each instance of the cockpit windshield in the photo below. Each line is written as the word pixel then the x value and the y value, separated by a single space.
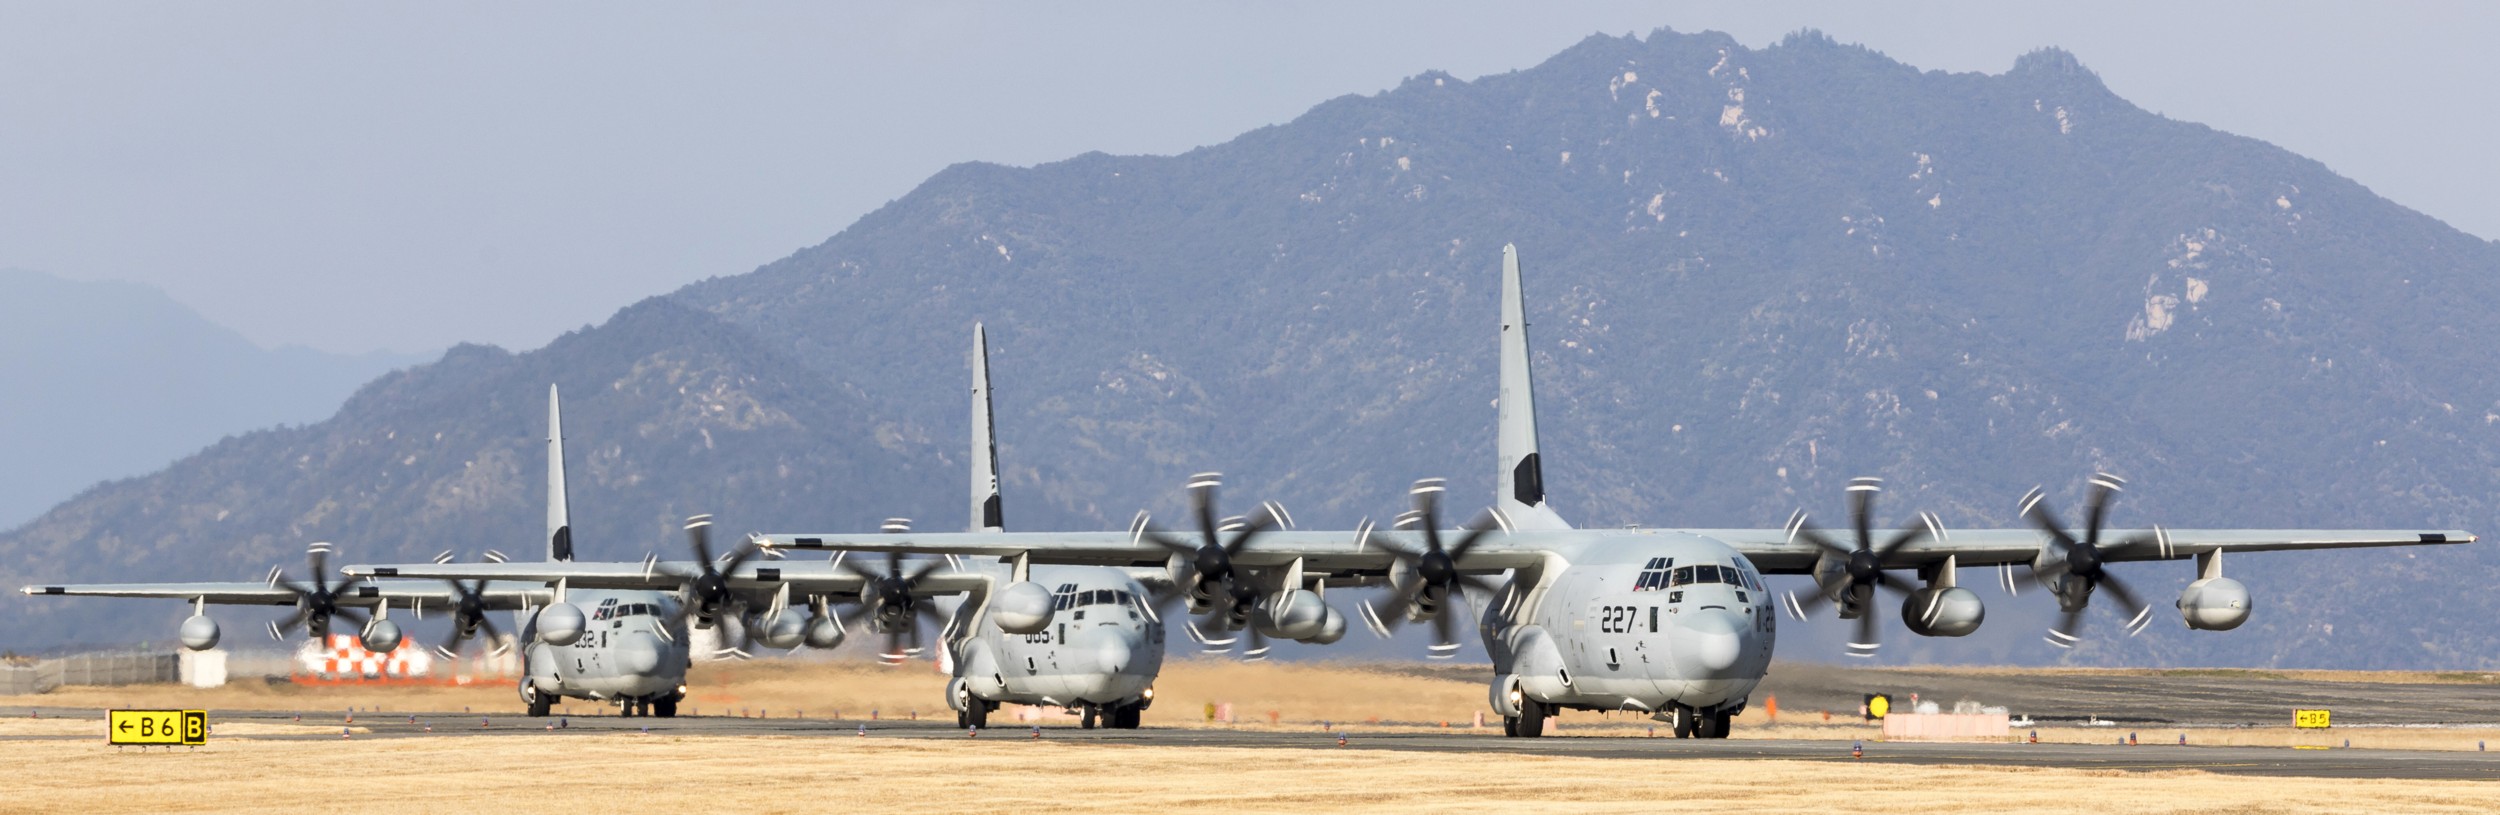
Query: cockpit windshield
pixel 1069 597
pixel 1711 573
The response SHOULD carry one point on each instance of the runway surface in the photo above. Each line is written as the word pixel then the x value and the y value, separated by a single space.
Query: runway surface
pixel 2149 756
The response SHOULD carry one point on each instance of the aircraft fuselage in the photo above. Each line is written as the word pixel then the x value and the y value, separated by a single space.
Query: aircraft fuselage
pixel 1645 625
pixel 627 651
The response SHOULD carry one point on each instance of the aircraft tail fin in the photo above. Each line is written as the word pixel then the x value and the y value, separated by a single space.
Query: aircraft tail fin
pixel 986 509
pixel 1521 481
pixel 559 514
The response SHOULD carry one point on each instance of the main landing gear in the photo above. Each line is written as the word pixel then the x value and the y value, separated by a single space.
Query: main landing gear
pixel 1115 716
pixel 664 707
pixel 1530 723
pixel 1699 724
pixel 976 713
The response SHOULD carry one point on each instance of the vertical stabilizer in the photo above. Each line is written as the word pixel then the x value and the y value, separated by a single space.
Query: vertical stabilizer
pixel 986 515
pixel 1521 482
pixel 559 515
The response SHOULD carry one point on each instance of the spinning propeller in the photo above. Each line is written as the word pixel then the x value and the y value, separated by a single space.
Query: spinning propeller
pixel 314 604
pixel 887 597
pixel 1435 569
pixel 707 596
pixel 2083 559
pixel 1209 563
pixel 1862 565
pixel 468 616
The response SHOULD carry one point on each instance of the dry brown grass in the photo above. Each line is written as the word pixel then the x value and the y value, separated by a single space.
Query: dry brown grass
pixel 599 773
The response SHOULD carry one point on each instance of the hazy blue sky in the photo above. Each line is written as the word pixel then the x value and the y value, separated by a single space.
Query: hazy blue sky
pixel 353 176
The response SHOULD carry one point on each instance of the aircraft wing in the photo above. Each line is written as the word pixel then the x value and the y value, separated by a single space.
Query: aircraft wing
pixel 764 576
pixel 400 594
pixel 1776 552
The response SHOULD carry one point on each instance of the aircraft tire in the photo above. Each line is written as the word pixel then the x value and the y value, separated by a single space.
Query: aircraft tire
pixel 1686 723
pixel 1725 721
pixel 1090 713
pixel 540 705
pixel 1125 717
pixel 976 714
pixel 1510 726
pixel 665 708
pixel 1532 715
pixel 1709 726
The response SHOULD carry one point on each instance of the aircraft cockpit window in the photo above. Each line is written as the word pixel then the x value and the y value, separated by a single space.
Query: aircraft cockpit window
pixel 1683 575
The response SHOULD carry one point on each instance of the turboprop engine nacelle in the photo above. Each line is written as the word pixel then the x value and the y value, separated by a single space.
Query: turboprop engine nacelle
pixel 561 624
pixel 1297 615
pixel 1024 607
pixel 1330 631
pixel 381 636
pixel 823 632
pixel 1943 612
pixel 782 631
pixel 2214 604
pixel 199 633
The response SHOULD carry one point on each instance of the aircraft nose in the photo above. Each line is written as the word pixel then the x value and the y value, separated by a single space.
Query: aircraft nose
pixel 1112 654
pixel 1711 641
pixel 1111 646
pixel 638 653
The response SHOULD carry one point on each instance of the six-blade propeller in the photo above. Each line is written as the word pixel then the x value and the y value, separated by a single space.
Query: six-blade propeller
pixel 1435 570
pixel 1208 565
pixel 2084 559
pixel 468 615
pixel 1862 565
pixel 314 604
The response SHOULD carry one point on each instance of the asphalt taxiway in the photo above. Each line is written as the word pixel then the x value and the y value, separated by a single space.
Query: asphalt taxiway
pixel 2252 761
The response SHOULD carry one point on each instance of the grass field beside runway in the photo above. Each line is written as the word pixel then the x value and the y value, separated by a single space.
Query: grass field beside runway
pixel 662 773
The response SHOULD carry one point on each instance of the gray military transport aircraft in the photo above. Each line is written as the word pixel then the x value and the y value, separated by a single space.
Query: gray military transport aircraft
pixel 627 648
pixel 1675 623
pixel 623 632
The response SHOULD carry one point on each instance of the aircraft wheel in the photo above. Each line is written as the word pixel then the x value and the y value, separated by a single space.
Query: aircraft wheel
pixel 665 708
pixel 1726 722
pixel 1125 717
pixel 1510 725
pixel 1090 713
pixel 540 705
pixel 976 713
pixel 1532 715
pixel 1709 726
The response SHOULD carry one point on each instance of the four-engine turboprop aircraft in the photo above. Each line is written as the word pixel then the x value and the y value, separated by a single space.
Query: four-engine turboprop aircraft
pixel 620 632
pixel 1091 640
pixel 1672 622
